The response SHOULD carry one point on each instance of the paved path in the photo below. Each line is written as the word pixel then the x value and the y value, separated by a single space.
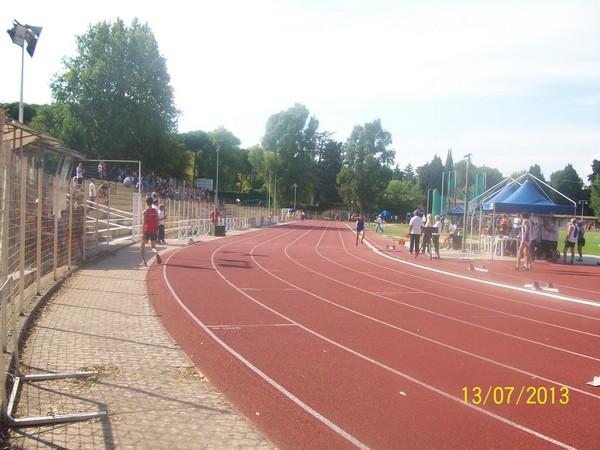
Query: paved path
pixel 101 320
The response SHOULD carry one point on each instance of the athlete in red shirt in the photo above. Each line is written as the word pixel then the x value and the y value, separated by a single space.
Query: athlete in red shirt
pixel 150 227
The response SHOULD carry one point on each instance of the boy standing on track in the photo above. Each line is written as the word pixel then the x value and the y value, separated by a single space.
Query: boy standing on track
pixel 150 228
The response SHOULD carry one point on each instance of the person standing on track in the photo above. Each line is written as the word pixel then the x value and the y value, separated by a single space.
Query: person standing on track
pixel 360 227
pixel 150 227
pixel 415 229
pixel 570 241
pixel 378 223
pixel 527 237
pixel 436 236
pixel 580 240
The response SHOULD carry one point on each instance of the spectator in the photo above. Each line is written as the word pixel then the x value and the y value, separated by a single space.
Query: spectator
pixel 92 190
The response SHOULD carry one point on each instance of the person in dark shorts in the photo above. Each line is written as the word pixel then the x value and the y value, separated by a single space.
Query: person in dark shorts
pixel 150 229
pixel 360 228
pixel 570 241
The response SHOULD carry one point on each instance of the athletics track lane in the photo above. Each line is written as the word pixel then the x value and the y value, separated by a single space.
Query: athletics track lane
pixel 376 352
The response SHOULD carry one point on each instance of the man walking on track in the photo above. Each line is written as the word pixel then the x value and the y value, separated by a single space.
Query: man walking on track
pixel 150 227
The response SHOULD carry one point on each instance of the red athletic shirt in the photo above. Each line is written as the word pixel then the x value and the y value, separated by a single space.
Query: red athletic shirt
pixel 151 223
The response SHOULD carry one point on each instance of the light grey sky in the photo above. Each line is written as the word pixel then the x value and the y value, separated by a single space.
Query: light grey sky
pixel 514 83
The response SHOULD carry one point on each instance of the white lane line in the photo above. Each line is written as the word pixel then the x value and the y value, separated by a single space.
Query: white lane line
pixel 252 367
pixel 314 413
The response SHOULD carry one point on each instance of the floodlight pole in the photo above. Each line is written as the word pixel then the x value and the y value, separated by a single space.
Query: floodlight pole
pixel 464 239
pixel 295 186
pixel 582 203
pixel 217 181
pixel 22 78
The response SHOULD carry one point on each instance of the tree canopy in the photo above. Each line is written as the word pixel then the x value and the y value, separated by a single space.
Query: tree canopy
pixel 114 98
pixel 366 169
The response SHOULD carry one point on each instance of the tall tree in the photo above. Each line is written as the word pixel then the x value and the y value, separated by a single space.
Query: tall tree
pixel 289 144
pixel 449 165
pixel 568 183
pixel 329 163
pixel 595 196
pixel 366 169
pixel 197 143
pixel 595 171
pixel 117 90
pixel 401 197
pixel 230 158
pixel 430 174
pixel 536 171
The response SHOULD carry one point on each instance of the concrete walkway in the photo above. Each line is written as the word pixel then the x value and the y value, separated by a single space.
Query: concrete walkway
pixel 100 320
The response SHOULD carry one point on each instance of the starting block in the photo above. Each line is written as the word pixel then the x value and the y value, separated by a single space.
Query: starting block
pixel 478 269
pixel 390 247
pixel 538 287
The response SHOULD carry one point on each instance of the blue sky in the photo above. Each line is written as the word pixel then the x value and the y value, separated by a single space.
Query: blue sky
pixel 514 83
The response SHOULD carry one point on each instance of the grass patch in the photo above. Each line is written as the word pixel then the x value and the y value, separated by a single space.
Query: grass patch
pixel 395 231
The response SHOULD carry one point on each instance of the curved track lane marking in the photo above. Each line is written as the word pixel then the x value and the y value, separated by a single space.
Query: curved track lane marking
pixel 485 308
pixel 452 274
pixel 367 358
pixel 381 322
pixel 315 414
pixel 251 366
pixel 375 294
pixel 491 283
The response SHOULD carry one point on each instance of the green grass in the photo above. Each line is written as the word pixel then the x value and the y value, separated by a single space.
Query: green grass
pixel 395 231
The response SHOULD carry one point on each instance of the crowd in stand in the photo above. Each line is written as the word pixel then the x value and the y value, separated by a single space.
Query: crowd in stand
pixel 165 188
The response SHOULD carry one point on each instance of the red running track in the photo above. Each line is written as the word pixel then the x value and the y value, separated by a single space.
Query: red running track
pixel 322 344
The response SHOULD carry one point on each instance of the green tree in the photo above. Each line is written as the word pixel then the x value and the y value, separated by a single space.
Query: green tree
pixel 329 163
pixel 366 169
pixel 595 196
pixel 289 146
pixel 401 197
pixel 595 171
pixel 536 171
pixel 430 174
pixel 230 158
pixel 449 165
pixel 568 183
pixel 492 176
pixel 409 173
pixel 116 95
pixel 196 142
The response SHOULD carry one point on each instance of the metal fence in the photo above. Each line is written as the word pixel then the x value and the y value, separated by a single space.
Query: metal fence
pixel 48 227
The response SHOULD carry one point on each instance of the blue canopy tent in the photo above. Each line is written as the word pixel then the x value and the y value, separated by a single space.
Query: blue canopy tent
pixel 515 196
pixel 458 210
pixel 385 213
pixel 528 198
pixel 507 191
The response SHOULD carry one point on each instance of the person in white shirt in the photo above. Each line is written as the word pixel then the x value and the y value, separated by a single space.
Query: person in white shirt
pixel 436 236
pixel 414 230
pixel 92 190
pixel 452 230
pixel 378 223
pixel 528 235
pixel 570 241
